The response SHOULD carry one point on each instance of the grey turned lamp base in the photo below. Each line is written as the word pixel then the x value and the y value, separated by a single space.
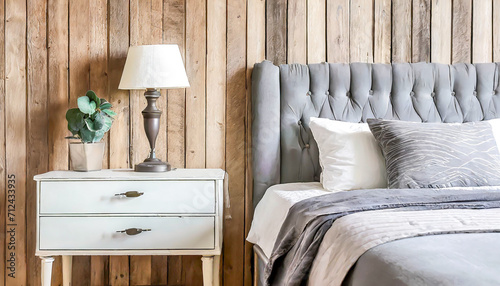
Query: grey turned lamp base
pixel 153 166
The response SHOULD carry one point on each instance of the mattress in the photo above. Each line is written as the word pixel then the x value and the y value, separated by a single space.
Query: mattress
pixel 275 204
pixel 427 260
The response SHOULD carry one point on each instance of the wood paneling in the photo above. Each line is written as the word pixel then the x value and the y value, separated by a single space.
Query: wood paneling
pixel 52 51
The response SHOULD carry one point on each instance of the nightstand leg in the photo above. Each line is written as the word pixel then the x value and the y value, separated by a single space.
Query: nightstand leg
pixel 46 270
pixel 210 270
pixel 67 261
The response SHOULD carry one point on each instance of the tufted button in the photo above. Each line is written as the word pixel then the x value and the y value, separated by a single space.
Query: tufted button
pixel 412 93
pixel 307 146
pixel 309 93
pixel 433 94
pixel 370 92
pixel 299 123
pixel 452 93
pixel 475 93
pixel 327 92
pixel 348 94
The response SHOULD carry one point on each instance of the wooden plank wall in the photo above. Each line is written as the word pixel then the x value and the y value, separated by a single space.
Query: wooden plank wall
pixel 52 51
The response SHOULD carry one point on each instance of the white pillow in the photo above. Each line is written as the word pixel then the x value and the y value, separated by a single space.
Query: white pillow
pixel 349 155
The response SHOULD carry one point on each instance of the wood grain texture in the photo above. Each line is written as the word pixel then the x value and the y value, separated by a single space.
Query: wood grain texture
pixel 482 31
pixel 140 270
pixel 297 39
pixel 421 31
pixel 316 26
pixel 3 175
pixel 361 31
pixel 37 135
pixel 401 31
pixel 174 32
pixel 216 84
pixel 462 31
pixel 195 95
pixel 234 255
pixel 98 52
pixel 382 34
pixel 79 83
pixel 496 31
pixel 119 137
pixel 15 136
pixel 441 31
pixel 337 31
pixel 58 64
pixel 276 16
pixel 255 52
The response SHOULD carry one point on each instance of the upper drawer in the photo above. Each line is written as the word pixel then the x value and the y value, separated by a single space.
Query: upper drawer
pixel 160 197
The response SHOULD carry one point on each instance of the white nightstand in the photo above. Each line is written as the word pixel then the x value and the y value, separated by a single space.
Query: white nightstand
pixel 122 212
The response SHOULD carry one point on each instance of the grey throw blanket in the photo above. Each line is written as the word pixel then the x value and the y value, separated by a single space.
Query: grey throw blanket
pixel 308 221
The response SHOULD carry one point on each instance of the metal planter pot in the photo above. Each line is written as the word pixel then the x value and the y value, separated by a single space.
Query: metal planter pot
pixel 86 157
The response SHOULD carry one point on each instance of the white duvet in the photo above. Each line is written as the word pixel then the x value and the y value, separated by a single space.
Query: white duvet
pixel 352 235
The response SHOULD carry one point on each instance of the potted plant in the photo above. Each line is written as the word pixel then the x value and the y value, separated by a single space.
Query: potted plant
pixel 88 123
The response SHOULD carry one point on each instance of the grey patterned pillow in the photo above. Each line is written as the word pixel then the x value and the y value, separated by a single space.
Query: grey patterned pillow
pixel 438 155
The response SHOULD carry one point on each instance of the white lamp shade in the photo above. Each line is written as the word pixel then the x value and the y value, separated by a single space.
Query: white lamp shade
pixel 154 66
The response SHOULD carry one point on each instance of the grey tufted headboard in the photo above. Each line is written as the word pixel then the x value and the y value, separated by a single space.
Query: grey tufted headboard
pixel 285 97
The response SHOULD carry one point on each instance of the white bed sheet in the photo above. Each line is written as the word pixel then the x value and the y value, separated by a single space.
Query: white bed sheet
pixel 271 211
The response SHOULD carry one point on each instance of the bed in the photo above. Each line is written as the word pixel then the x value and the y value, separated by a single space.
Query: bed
pixel 286 170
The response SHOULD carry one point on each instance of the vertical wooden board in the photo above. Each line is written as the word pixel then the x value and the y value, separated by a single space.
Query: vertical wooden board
pixel 337 31
pixel 216 84
pixel 297 23
pixel 496 31
pixel 140 270
pixel 79 83
pixel 58 100
pixel 118 47
pixel 15 137
pixel 276 18
pixel 461 31
pixel 98 26
pixel 119 133
pixel 145 29
pixel 421 31
pixel 119 270
pixel 401 31
pixel 3 191
pixel 441 31
pixel 256 36
pixel 234 255
pixel 382 37
pixel 316 31
pixel 174 32
pixel 195 95
pixel 37 129
pixel 482 31
pixel 361 31
pixel 159 269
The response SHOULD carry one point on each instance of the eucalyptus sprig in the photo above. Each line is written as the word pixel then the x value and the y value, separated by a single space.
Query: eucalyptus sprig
pixel 91 120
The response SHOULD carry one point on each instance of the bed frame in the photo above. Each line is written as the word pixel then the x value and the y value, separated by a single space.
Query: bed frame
pixel 285 97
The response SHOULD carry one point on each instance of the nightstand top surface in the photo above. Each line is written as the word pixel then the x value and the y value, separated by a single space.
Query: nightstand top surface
pixel 129 174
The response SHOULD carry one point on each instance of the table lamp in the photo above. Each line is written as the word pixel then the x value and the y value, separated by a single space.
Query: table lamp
pixel 153 67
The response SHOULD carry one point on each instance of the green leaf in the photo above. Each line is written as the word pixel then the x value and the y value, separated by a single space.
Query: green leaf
pixel 85 105
pixel 97 124
pixel 105 106
pixel 98 136
pixel 87 135
pixel 75 120
pixel 92 96
pixel 107 123
pixel 109 112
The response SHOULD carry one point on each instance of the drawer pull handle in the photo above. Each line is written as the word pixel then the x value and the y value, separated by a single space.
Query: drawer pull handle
pixel 133 231
pixel 130 194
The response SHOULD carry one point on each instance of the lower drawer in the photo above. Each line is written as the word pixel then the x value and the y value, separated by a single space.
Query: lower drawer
pixel 82 233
